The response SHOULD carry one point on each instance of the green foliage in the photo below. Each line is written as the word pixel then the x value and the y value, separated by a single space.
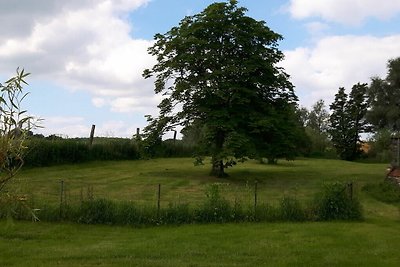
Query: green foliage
pixel 347 121
pixel 215 208
pixel 219 66
pixel 17 206
pixel 332 204
pixel 383 96
pixel 380 146
pixel 14 125
pixel 291 210
pixel 98 211
pixel 316 123
pixel 336 203
pixel 386 191
pixel 44 152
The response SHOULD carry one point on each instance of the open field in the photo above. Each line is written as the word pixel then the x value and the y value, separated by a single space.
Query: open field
pixel 181 181
pixel 373 242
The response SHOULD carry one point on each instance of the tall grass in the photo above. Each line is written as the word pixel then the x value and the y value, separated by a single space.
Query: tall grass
pixel 48 152
pixel 332 204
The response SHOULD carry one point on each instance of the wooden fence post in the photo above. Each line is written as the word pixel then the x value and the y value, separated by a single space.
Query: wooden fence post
pixel 350 186
pixel 61 197
pixel 255 198
pixel 158 200
pixel 91 135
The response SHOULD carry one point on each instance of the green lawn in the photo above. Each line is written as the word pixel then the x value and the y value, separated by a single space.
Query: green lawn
pixel 284 244
pixel 181 181
pixel 374 242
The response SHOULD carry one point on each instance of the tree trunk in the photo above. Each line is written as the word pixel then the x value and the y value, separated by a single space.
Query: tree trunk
pixel 218 168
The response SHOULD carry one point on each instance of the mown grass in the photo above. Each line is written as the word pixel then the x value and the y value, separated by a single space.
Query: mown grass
pixel 273 244
pixel 373 242
pixel 182 182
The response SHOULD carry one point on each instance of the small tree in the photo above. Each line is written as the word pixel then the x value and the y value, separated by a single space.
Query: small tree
pixel 317 128
pixel 14 126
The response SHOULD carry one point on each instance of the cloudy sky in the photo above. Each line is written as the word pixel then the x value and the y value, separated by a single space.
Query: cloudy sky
pixel 87 56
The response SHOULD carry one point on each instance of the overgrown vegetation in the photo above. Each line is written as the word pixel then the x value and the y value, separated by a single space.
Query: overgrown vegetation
pixel 333 204
pixel 14 125
pixel 54 151
pixel 386 191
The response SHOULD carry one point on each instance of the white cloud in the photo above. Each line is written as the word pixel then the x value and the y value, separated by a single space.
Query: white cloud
pixel 336 61
pixel 351 12
pixel 64 126
pixel 70 127
pixel 84 45
pixel 316 29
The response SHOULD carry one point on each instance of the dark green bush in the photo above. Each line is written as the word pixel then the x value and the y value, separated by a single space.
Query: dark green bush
pixel 176 214
pixel 291 210
pixel 336 203
pixel 98 211
pixel 44 152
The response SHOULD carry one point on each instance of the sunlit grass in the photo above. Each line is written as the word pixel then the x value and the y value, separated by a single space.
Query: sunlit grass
pixel 373 242
pixel 181 181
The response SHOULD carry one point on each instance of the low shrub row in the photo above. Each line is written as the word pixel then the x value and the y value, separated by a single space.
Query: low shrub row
pixel 48 152
pixel 333 203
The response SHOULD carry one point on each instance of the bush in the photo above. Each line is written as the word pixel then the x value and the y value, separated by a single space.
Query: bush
pixel 98 211
pixel 215 208
pixel 335 203
pixel 176 214
pixel 44 152
pixel 291 210
pixel 14 206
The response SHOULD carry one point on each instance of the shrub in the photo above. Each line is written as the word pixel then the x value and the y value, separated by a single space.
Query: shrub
pixel 44 152
pixel 335 203
pixel 98 211
pixel 14 206
pixel 215 208
pixel 176 214
pixel 291 210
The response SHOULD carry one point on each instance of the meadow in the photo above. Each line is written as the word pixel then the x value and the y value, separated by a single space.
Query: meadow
pixel 371 242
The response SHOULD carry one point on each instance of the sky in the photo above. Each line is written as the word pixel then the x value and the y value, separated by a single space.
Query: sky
pixel 86 57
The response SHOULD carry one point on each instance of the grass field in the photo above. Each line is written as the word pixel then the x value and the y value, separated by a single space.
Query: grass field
pixel 373 242
pixel 181 181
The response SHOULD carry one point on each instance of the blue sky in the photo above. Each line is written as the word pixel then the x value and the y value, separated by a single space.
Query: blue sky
pixel 87 56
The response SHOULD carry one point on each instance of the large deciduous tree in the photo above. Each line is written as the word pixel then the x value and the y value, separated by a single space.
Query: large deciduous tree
pixel 347 121
pixel 217 70
pixel 384 99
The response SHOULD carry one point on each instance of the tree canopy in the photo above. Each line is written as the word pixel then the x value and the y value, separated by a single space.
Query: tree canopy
pixel 384 99
pixel 217 70
pixel 347 120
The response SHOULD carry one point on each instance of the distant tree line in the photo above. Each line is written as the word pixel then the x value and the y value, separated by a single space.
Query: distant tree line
pixel 372 110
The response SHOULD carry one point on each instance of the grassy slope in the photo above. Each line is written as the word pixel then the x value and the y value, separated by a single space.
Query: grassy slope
pixel 374 242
